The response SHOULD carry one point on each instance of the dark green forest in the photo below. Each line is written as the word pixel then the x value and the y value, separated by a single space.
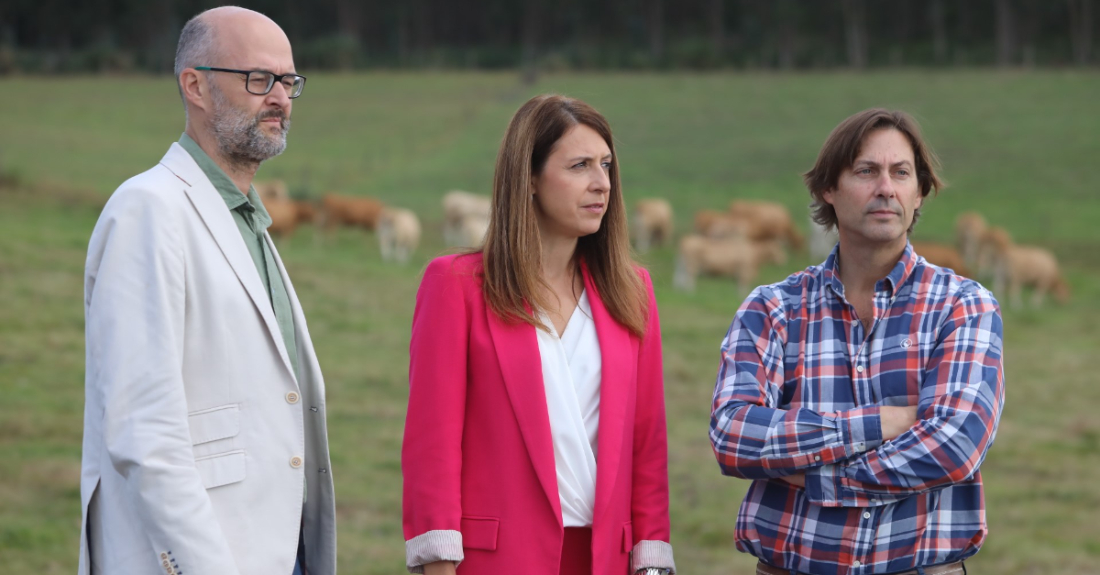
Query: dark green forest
pixel 63 36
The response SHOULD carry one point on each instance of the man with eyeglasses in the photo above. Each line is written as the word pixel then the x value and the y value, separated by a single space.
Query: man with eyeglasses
pixel 205 446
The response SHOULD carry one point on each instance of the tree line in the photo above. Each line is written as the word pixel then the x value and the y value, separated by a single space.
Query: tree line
pixel 58 36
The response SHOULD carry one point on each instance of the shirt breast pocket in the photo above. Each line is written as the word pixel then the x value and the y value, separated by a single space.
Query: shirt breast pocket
pixel 899 371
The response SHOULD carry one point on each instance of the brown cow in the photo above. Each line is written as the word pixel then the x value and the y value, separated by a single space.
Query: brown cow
pixel 969 229
pixel 771 221
pixel 361 212
pixel 398 234
pixel 651 223
pixel 286 215
pixel 727 257
pixel 942 255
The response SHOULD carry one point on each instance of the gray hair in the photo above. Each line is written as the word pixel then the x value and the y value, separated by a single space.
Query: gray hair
pixel 197 47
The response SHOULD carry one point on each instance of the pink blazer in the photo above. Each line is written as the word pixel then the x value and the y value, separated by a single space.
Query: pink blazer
pixel 477 454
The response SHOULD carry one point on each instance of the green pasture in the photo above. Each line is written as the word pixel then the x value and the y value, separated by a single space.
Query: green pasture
pixel 1020 147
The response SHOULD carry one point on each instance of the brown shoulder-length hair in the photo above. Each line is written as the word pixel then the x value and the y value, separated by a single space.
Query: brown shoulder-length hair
pixel 843 146
pixel 513 284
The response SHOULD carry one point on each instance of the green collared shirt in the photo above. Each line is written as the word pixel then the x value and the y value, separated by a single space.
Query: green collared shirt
pixel 252 221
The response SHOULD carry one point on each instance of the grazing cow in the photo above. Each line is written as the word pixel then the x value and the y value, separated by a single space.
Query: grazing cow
pixel 708 222
pixel 942 255
pixel 969 229
pixel 286 215
pixel 771 221
pixel 464 212
pixel 398 234
pixel 651 224
pixel 359 212
pixel 727 257
pixel 822 241
pixel 993 243
pixel 270 190
pixel 1018 267
pixel 471 233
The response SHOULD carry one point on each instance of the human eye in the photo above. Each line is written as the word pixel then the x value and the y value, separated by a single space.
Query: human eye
pixel 257 81
pixel 606 164
pixel 580 165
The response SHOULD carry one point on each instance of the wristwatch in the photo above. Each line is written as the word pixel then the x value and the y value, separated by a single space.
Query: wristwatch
pixel 653 571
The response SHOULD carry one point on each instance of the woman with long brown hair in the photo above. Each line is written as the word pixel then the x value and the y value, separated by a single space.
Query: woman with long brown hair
pixel 535 436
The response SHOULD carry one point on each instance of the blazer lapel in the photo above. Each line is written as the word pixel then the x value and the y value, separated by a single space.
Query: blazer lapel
pixel 617 356
pixel 518 353
pixel 219 222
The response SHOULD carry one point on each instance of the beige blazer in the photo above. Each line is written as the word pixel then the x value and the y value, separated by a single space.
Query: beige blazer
pixel 197 434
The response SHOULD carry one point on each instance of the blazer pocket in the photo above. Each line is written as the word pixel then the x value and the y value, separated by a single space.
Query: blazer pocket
pixel 214 423
pixel 221 469
pixel 628 537
pixel 480 533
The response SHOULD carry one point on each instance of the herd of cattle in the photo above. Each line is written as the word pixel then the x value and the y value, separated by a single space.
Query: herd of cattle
pixel 735 243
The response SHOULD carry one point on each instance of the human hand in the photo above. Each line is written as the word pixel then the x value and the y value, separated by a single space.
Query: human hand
pixel 440 568
pixel 798 479
pixel 896 420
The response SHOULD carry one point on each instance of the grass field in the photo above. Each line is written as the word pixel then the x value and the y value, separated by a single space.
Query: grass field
pixel 1019 147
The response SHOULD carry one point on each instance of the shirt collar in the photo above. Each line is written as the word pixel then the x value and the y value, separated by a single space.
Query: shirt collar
pixel 228 190
pixel 890 283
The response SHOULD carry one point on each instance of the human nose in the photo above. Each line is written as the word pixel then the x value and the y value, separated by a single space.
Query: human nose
pixel 885 185
pixel 601 182
pixel 278 96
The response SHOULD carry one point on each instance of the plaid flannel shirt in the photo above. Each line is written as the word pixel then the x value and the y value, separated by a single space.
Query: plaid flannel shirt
pixel 799 390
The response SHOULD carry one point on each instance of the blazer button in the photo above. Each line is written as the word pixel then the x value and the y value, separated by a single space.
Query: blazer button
pixel 295 462
pixel 292 397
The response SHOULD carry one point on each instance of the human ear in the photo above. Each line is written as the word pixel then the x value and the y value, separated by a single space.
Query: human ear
pixel 194 88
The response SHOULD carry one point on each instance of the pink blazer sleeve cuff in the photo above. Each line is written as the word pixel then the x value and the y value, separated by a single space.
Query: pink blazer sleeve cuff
pixel 440 545
pixel 652 554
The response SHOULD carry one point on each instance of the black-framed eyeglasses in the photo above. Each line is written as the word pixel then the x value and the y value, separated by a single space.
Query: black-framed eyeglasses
pixel 260 82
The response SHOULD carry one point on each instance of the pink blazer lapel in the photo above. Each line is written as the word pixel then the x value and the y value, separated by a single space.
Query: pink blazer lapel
pixel 619 364
pixel 518 353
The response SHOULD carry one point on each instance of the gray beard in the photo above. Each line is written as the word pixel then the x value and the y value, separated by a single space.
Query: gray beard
pixel 240 138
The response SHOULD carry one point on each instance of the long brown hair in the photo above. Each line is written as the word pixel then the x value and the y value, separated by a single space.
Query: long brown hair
pixel 845 143
pixel 513 284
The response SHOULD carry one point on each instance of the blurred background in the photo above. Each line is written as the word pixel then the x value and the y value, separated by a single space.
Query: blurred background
pixel 712 102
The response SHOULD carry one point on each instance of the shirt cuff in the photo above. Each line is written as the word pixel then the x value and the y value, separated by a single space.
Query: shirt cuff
pixel 652 554
pixel 863 430
pixel 823 486
pixel 439 545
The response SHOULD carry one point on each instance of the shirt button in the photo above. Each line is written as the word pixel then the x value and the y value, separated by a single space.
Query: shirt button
pixel 866 514
pixel 292 397
pixel 856 564
pixel 859 368
pixel 295 462
pixel 860 447
pixel 817 458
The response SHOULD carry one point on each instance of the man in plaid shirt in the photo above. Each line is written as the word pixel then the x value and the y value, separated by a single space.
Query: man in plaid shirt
pixel 861 396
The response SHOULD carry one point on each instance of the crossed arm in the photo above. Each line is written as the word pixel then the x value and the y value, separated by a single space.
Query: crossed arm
pixel 868 454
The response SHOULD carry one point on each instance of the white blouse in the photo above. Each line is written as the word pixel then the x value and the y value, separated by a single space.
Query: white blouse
pixel 571 368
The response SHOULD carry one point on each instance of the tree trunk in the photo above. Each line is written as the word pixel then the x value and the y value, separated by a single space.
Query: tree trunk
pixel 349 18
pixel 1006 41
pixel 1080 30
pixel 657 29
pixel 939 32
pixel 717 14
pixel 529 39
pixel 855 32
